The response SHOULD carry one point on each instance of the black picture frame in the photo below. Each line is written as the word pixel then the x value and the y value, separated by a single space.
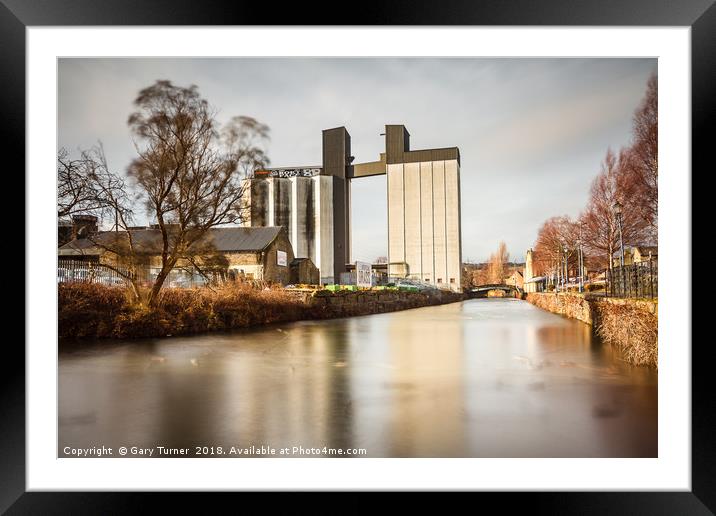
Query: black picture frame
pixel 17 15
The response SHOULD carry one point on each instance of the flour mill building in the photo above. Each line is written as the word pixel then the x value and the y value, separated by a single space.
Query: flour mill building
pixel 313 204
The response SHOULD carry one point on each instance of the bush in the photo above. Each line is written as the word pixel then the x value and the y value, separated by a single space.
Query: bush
pixel 632 330
pixel 87 310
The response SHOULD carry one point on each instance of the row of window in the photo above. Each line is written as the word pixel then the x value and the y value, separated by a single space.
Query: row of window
pixel 440 280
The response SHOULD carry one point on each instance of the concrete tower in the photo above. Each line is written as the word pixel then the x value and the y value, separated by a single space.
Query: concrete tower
pixel 424 237
pixel 313 204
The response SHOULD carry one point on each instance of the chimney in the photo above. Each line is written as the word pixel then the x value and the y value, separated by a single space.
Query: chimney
pixel 83 225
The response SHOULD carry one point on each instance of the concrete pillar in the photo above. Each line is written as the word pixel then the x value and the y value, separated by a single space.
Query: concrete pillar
pixel 452 222
pixel 396 220
pixel 426 223
pixel 439 228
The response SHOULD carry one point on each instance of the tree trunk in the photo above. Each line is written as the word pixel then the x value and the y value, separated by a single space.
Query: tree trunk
pixel 135 291
pixel 153 300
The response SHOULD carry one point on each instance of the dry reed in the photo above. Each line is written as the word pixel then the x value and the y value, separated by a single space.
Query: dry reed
pixel 632 330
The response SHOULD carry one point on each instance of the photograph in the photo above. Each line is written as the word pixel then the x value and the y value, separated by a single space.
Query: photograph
pixel 437 248
pixel 357 257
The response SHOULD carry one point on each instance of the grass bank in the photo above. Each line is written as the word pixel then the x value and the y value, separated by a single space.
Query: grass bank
pixel 630 325
pixel 98 311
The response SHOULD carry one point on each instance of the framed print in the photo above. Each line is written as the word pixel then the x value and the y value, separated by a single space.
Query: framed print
pixel 419 250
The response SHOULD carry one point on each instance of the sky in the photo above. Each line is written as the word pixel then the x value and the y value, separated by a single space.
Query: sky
pixel 531 132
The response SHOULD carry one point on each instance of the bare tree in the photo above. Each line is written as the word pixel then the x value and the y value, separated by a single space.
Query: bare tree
pixel 613 184
pixel 77 191
pixel 643 158
pixel 188 172
pixel 557 242
pixel 497 264
pixel 113 202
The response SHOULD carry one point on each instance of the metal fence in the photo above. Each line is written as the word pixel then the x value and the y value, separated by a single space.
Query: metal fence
pixel 636 280
pixel 77 271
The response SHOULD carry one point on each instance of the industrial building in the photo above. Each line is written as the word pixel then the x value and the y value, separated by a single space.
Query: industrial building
pixel 423 196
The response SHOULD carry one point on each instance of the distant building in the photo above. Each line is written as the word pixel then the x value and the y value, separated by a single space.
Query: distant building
pixel 636 254
pixel 532 283
pixel 76 227
pixel 515 279
pixel 260 253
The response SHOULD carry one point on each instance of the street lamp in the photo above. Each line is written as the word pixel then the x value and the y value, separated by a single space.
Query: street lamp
pixel 580 265
pixel 618 213
pixel 566 267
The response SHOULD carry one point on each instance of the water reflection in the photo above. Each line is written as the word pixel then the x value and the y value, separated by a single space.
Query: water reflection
pixel 492 377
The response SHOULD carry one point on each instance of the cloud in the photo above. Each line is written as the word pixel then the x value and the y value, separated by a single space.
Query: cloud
pixel 531 132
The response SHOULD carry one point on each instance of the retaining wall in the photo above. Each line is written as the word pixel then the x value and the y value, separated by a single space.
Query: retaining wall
pixel 629 324
pixel 326 304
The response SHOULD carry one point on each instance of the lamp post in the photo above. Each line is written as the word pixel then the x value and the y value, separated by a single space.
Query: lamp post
pixel 580 265
pixel 618 213
pixel 566 267
pixel 555 270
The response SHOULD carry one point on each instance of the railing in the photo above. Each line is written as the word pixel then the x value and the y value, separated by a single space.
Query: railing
pixel 408 282
pixel 635 280
pixel 77 271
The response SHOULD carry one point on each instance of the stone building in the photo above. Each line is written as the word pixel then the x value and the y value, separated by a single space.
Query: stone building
pixel 515 279
pixel 75 227
pixel 636 254
pixel 302 270
pixel 258 253
pixel 532 283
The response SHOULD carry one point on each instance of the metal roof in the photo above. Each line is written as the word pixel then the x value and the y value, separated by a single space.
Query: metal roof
pixel 226 239
pixel 244 238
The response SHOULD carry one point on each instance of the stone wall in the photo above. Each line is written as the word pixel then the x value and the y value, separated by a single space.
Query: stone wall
pixel 574 306
pixel 327 304
pixel 631 325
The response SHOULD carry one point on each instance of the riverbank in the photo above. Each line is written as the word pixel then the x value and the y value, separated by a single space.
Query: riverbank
pixel 98 311
pixel 631 325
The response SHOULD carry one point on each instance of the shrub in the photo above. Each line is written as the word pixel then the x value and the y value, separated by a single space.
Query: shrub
pixel 632 330
pixel 87 310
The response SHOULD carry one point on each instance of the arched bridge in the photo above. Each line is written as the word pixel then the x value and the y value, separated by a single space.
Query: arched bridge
pixel 482 290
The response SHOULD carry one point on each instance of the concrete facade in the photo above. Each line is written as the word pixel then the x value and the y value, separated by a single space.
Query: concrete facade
pixel 424 236
pixel 303 206
pixel 423 196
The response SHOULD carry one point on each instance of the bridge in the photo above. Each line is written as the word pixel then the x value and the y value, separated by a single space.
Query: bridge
pixel 482 290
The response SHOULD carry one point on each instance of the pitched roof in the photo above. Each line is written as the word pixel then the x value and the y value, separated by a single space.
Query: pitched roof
pixel 244 238
pixel 224 239
pixel 644 250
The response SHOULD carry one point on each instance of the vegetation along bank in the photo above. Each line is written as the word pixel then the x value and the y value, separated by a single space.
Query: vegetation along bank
pixel 631 325
pixel 99 311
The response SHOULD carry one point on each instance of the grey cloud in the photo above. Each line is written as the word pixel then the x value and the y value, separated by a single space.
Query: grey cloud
pixel 531 131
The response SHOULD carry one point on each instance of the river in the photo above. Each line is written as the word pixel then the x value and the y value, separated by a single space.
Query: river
pixel 480 378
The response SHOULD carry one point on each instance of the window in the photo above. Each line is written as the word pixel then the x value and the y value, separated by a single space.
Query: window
pixel 440 280
pixel 452 280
